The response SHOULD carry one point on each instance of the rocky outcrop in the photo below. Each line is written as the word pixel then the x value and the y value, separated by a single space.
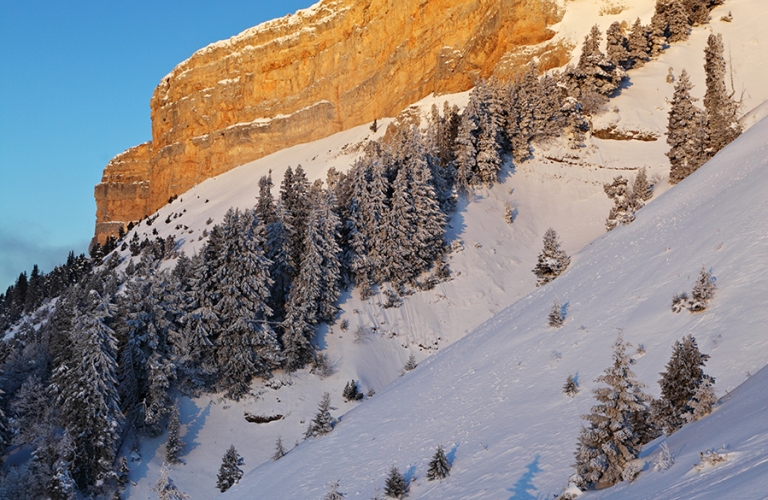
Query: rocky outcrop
pixel 336 65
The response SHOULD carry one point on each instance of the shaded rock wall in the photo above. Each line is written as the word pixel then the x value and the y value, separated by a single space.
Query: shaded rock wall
pixel 297 79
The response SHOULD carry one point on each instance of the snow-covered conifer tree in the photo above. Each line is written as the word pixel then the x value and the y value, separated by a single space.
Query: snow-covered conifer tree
pixel 265 203
pixel 279 449
pixel 323 422
pixel 685 132
pixel 165 488
pixel 722 111
pixel 624 203
pixel 395 486
pixel 616 46
pixel 439 468
pixel 333 492
pixel 85 385
pixel 637 44
pixel 279 252
pixel 247 346
pixel 466 144
pixel 703 291
pixel 686 391
pixel 552 261
pixel 571 388
pixel 229 473
pixel 174 444
pixel 678 23
pixel 556 315
pixel 641 188
pixel 610 441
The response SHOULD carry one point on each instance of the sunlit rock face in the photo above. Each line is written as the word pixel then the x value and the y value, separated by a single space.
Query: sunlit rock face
pixel 303 77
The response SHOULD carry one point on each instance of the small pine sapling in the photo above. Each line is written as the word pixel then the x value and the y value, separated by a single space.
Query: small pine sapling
pixel 664 460
pixel 323 422
pixel 122 472
pixel 439 468
pixel 165 488
pixel 571 387
pixel 279 449
pixel 510 213
pixel 395 485
pixel 229 472
pixel 411 364
pixel 679 302
pixel 556 317
pixel 702 292
pixel 351 393
pixel 333 492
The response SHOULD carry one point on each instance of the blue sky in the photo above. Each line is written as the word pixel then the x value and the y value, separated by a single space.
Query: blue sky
pixel 75 83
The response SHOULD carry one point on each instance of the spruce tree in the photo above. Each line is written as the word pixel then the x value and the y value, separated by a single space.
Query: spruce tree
pixel 610 441
pixel 552 261
pixel 686 391
pixel 466 145
pixel 85 385
pixel 722 111
pixel 229 472
pixel 174 445
pixel 556 315
pixel 625 204
pixel 439 468
pixel 641 188
pixel 616 46
pixel 703 291
pixel 323 422
pixel 279 449
pixel 165 488
pixel 678 23
pixel 637 44
pixel 685 132
pixel 395 486
pixel 571 387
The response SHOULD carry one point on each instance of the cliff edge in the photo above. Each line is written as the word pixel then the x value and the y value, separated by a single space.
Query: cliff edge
pixel 335 65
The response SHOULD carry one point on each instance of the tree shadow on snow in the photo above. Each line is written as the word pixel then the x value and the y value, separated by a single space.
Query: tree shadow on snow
pixel 195 420
pixel 521 490
pixel 451 455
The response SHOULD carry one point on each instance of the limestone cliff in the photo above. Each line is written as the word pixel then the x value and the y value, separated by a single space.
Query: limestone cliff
pixel 338 64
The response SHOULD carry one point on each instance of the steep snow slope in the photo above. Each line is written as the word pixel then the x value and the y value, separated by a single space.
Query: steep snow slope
pixel 494 398
pixel 492 266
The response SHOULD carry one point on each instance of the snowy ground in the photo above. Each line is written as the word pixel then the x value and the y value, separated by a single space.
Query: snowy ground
pixel 493 399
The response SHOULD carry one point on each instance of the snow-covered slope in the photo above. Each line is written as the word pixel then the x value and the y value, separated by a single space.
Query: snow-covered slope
pixel 491 270
pixel 494 400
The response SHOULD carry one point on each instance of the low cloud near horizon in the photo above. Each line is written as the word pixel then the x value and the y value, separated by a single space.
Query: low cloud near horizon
pixel 18 254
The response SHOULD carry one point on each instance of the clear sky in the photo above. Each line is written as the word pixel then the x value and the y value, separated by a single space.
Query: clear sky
pixel 75 82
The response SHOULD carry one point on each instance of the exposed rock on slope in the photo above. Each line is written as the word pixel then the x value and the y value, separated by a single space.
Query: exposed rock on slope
pixel 325 69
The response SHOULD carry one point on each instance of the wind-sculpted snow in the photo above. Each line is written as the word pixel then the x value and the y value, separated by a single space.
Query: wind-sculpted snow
pixel 494 399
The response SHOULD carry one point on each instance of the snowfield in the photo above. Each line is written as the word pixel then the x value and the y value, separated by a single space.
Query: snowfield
pixel 494 398
pixel 489 382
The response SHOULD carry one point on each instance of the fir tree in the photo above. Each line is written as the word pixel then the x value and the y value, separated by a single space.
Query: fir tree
pixel 165 488
pixel 703 291
pixel 685 132
pixel 86 392
pixel 722 111
pixel 678 23
pixel 556 315
pixel 395 486
pixel 686 391
pixel 616 46
pixel 279 449
pixel 323 422
pixel 610 441
pixel 466 145
pixel 552 261
pixel 624 203
pixel 641 188
pixel 351 392
pixel 637 44
pixel 571 387
pixel 229 472
pixel 265 204
pixel 439 468
pixel 174 445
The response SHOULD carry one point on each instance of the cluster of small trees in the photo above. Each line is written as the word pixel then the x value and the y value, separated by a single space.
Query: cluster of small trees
pixel 627 200
pixel 625 417
pixel 695 135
